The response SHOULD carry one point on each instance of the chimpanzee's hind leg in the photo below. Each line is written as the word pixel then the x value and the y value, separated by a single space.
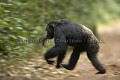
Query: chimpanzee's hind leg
pixel 96 63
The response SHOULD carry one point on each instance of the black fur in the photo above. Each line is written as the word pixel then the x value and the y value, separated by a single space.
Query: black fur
pixel 81 38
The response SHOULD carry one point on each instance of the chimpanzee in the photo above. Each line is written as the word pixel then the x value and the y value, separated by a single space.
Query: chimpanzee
pixel 66 32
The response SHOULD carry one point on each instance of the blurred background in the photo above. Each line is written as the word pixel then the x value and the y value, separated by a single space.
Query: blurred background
pixel 23 22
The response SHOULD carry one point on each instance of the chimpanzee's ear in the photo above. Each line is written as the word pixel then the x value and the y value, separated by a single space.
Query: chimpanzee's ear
pixel 52 25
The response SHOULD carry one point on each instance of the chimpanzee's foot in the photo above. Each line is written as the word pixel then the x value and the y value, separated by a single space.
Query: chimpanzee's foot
pixel 101 72
pixel 68 67
pixel 58 66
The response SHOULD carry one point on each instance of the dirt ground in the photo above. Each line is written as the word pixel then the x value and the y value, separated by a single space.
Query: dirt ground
pixel 109 55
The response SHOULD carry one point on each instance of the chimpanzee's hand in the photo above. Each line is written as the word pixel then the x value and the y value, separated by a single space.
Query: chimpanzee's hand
pixel 43 41
pixel 58 65
pixel 50 62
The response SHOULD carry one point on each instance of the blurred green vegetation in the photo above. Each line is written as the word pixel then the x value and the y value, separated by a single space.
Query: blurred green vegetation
pixel 26 19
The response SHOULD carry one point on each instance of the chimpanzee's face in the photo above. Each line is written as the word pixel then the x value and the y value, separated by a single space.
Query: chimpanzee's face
pixel 50 31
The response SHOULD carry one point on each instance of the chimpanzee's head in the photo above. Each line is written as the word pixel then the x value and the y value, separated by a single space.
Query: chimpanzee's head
pixel 50 29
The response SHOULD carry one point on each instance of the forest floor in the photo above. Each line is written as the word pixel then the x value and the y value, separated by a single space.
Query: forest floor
pixel 109 55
